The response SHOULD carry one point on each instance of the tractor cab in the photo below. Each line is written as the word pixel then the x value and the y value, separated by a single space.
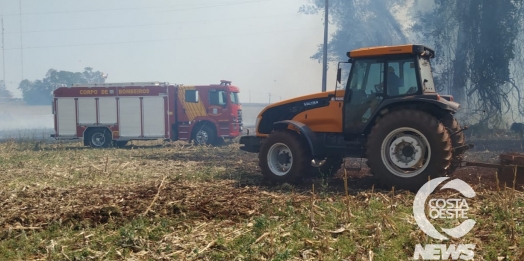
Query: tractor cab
pixel 379 74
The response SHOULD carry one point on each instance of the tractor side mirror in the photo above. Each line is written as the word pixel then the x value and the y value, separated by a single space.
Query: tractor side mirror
pixel 339 72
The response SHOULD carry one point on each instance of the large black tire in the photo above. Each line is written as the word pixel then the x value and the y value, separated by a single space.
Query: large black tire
pixel 457 140
pixel 326 167
pixel 284 157
pixel 204 135
pixel 99 138
pixel 411 138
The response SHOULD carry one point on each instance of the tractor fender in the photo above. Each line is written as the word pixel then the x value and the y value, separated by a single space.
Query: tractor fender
pixel 442 104
pixel 385 106
pixel 305 131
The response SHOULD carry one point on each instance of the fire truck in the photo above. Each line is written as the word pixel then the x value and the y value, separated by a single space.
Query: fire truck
pixel 112 114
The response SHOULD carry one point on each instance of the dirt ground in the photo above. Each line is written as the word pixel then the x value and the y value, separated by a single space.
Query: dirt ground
pixel 36 206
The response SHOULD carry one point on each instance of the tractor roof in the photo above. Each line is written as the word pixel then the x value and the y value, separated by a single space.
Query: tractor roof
pixel 390 50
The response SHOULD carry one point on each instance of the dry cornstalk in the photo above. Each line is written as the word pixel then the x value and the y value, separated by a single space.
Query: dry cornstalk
pixel 156 196
pixel 497 180
pixel 261 237
pixel 207 247
pixel 24 228
pixel 311 211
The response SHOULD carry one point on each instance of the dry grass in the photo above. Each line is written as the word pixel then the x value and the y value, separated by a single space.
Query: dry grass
pixel 170 201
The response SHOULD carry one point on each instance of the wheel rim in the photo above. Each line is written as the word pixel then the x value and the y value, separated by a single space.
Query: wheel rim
pixel 405 152
pixel 279 159
pixel 98 139
pixel 202 137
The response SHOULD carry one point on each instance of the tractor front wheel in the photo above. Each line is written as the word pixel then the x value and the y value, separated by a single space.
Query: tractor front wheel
pixel 406 147
pixel 283 157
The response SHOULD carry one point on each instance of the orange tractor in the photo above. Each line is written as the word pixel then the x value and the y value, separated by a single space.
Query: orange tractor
pixel 388 111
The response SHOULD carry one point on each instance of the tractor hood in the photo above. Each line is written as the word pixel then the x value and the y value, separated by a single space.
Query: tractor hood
pixel 312 109
pixel 308 99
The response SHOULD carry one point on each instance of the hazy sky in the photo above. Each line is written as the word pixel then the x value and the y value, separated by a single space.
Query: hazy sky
pixel 261 45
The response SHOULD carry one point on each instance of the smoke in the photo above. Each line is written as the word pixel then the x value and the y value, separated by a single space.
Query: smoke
pixel 18 120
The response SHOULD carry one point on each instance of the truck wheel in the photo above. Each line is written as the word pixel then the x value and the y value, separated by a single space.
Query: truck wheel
pixel 204 135
pixel 99 138
pixel 328 166
pixel 407 147
pixel 457 140
pixel 283 157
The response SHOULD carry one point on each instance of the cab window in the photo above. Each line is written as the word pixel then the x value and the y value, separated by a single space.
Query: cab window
pixel 191 96
pixel 426 75
pixel 401 77
pixel 366 75
pixel 217 97
pixel 234 97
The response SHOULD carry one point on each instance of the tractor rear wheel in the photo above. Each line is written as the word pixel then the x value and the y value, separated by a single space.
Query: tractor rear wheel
pixel 283 157
pixel 327 166
pixel 457 140
pixel 406 147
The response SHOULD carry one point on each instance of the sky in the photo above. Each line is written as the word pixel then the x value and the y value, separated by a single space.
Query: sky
pixel 262 46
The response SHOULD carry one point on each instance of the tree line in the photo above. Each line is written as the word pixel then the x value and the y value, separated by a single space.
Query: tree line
pixel 40 92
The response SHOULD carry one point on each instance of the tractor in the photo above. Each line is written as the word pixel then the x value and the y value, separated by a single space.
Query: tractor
pixel 386 110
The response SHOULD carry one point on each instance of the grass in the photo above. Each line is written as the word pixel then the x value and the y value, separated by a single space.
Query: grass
pixel 171 201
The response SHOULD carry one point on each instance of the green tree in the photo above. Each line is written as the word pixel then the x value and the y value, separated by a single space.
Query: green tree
pixel 40 92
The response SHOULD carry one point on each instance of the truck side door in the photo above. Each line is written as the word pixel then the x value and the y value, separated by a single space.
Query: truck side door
pixel 217 102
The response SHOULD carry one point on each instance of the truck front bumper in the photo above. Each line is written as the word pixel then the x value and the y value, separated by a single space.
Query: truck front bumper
pixel 251 143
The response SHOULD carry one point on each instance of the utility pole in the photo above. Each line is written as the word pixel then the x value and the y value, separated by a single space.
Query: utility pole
pixel 324 65
pixel 3 52
pixel 21 41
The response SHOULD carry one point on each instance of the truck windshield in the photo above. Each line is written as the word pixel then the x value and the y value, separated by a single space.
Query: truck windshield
pixel 234 97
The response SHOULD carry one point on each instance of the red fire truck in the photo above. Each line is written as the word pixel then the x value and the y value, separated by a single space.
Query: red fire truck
pixel 112 114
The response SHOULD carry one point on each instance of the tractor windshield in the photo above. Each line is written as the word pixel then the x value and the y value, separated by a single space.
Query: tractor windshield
pixel 426 75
